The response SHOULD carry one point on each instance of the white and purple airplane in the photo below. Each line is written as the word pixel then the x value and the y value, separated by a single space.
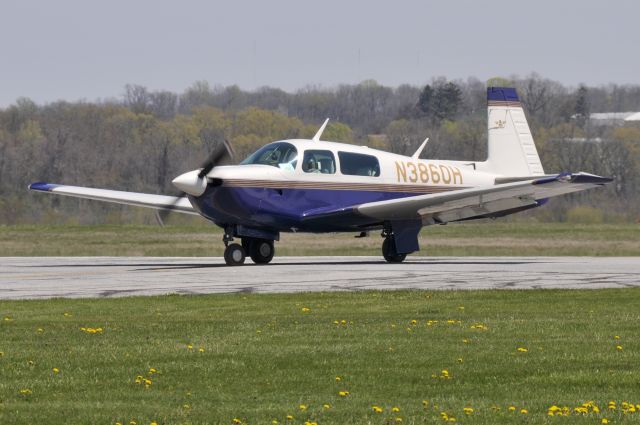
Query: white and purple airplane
pixel 317 186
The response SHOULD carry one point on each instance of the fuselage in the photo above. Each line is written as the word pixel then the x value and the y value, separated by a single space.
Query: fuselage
pixel 284 182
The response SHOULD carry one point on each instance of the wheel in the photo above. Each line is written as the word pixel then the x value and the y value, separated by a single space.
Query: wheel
pixel 234 255
pixel 389 251
pixel 261 251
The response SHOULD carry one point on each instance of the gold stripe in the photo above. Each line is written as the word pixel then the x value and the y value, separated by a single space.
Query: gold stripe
pixel 506 103
pixel 270 184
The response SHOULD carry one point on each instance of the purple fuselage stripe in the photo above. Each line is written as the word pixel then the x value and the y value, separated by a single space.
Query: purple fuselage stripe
pixel 284 209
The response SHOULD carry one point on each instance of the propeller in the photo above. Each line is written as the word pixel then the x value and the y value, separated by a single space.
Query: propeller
pixel 220 153
pixel 195 182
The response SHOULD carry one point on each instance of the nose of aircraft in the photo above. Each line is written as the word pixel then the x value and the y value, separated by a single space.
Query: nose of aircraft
pixel 190 183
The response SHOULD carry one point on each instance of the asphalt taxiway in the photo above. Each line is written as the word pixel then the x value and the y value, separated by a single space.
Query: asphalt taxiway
pixel 81 277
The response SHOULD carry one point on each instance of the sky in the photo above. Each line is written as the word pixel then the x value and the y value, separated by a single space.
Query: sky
pixel 89 50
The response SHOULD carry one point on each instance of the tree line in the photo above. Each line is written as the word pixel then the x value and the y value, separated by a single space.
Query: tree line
pixel 140 141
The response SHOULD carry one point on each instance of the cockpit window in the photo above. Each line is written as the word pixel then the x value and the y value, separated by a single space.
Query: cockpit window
pixel 319 161
pixel 356 164
pixel 282 155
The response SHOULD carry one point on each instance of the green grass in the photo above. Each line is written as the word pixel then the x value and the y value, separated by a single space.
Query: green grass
pixel 263 356
pixel 487 238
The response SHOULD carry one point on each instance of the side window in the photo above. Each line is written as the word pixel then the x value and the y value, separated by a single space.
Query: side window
pixel 356 164
pixel 317 161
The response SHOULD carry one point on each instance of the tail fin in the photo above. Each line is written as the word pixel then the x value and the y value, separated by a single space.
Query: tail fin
pixel 512 151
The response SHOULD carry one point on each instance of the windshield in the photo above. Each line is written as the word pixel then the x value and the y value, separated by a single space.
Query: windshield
pixel 282 155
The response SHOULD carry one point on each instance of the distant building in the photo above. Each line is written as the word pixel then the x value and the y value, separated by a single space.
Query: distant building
pixel 614 118
pixel 583 139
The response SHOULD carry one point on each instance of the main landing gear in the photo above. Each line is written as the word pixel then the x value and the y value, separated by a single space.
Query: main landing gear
pixel 389 251
pixel 261 251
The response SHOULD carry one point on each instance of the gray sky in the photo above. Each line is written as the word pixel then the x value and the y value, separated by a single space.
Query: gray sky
pixel 85 49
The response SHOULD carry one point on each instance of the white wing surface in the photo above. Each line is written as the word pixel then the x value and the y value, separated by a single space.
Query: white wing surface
pixel 481 201
pixel 160 202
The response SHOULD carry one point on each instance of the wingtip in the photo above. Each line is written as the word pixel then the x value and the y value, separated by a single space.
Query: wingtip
pixel 42 186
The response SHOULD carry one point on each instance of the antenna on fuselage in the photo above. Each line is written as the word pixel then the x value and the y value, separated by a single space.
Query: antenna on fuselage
pixel 420 149
pixel 316 138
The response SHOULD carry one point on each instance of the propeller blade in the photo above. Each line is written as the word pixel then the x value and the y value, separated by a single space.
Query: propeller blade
pixel 225 150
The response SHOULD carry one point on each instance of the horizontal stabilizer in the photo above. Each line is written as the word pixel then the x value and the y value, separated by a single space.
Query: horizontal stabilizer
pixel 480 201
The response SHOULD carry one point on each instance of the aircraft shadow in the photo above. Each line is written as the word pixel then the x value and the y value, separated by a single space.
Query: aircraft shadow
pixel 186 266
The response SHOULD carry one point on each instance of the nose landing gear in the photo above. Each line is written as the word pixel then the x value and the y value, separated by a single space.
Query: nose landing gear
pixel 261 251
pixel 234 255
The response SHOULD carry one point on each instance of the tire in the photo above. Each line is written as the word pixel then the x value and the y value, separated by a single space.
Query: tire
pixel 389 251
pixel 261 251
pixel 234 255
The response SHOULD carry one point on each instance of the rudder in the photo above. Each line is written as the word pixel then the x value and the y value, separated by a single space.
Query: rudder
pixel 512 151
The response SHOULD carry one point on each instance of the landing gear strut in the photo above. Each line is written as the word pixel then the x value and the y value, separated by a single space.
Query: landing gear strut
pixel 389 251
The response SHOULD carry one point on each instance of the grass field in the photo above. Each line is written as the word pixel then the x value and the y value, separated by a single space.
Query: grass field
pixel 405 357
pixel 488 238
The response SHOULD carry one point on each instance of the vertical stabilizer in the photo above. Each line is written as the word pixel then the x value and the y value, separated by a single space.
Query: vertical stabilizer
pixel 512 151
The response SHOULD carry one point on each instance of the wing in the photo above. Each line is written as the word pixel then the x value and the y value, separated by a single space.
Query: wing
pixel 480 202
pixel 160 202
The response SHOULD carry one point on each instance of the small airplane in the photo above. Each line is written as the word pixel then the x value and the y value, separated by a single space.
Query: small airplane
pixel 309 185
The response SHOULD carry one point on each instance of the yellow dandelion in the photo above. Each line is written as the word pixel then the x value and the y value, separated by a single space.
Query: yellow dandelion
pixel 465 341
pixel 153 423
pixel 189 346
pixel 67 314
pixel 377 409
pixel 395 409
pixel 133 423
pixel 26 391
pixel 335 322
pixel 56 370
pixel 303 407
pixel 460 360
pixel 413 322
pixel 39 330
pixel 343 322
pixel 8 319
pixel 338 378
pixel 398 419
pixel 306 309
pixel 512 408
pixel 619 347
pixel 275 422
pixel 468 410
pixel 522 349
pixel 326 406
pixel 289 417
pixel 343 393
pixel 604 421
pixel 524 411
pixel 236 421
pixel 152 370
pixel 616 337
pixel 200 350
